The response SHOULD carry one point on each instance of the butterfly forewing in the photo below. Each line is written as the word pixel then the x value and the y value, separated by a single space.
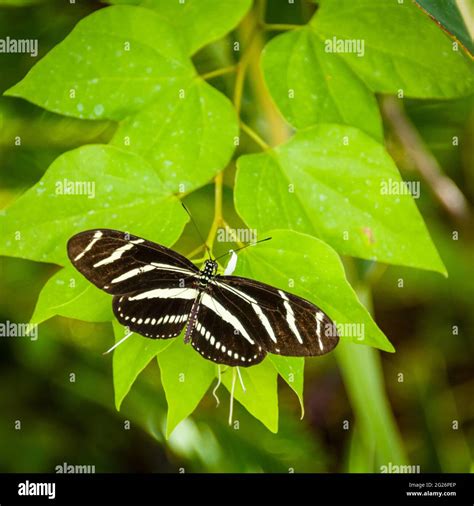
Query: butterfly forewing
pixel 120 263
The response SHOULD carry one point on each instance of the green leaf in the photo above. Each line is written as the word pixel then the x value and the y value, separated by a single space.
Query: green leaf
pixel 260 397
pixel 131 357
pixel 125 194
pixel 330 181
pixel 67 293
pixel 125 63
pixel 403 49
pixel 113 63
pixel 311 269
pixel 187 140
pixel 197 21
pixel 185 377
pixel 446 13
pixel 312 86
pixel 291 369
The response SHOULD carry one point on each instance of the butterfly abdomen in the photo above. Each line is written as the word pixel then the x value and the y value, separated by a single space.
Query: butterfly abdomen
pixel 192 320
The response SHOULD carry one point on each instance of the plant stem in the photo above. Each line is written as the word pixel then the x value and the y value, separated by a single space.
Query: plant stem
pixel 242 68
pixel 218 181
pixel 200 260
pixel 443 187
pixel 261 11
pixel 251 32
pixel 219 72
pixel 195 251
pixel 276 130
pixel 227 227
pixel 362 373
pixel 254 136
pixel 237 99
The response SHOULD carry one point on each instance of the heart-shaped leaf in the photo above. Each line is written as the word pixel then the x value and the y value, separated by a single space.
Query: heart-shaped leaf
pixel 338 184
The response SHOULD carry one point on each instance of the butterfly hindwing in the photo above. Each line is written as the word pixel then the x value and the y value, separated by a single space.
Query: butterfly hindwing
pixel 120 263
pixel 223 335
pixel 159 313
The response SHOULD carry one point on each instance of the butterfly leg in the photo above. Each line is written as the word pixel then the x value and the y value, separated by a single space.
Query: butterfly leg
pixel 240 379
pixel 214 392
pixel 231 408
pixel 118 343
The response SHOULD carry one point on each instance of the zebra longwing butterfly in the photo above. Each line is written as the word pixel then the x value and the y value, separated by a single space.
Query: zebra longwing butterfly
pixel 229 319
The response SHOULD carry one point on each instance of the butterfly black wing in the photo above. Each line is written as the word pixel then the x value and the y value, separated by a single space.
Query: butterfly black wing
pixel 157 313
pixel 225 333
pixel 120 263
pixel 292 325
pixel 251 318
pixel 154 286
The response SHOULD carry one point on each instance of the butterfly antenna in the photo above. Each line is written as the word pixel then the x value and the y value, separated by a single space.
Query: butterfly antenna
pixel 243 247
pixel 118 344
pixel 214 392
pixel 197 229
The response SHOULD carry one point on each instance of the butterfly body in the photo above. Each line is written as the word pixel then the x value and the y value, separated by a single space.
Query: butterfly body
pixel 206 274
pixel 228 319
